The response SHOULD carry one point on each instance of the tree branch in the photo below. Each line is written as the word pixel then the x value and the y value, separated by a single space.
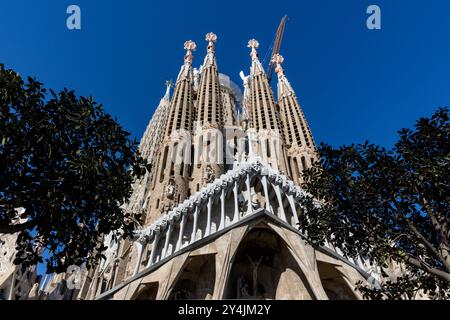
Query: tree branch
pixel 434 221
pixel 425 267
pixel 14 228
pixel 427 244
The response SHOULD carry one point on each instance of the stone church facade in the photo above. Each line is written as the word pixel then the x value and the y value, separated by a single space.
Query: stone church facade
pixel 222 202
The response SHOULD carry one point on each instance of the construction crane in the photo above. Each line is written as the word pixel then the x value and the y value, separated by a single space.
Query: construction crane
pixel 276 47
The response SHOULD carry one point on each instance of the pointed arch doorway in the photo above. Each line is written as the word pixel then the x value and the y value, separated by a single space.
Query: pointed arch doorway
pixel 264 268
pixel 196 280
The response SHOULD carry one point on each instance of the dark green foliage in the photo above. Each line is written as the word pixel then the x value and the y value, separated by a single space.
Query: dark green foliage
pixel 67 162
pixel 389 206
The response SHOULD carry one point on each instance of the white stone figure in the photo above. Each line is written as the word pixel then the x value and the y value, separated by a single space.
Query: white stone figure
pixel 243 77
pixel 209 175
pixel 239 158
pixel 246 99
pixel 252 141
pixel 170 189
pixel 34 292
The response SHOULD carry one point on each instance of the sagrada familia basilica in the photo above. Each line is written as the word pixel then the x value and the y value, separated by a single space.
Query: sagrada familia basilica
pixel 221 204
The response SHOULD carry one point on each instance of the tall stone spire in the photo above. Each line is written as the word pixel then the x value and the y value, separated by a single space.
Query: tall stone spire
pixel 209 102
pixel 263 115
pixel 210 58
pixel 170 180
pixel 208 151
pixel 186 68
pixel 263 112
pixel 284 87
pixel 182 102
pixel 256 67
pixel 301 150
pixel 149 147
pixel 155 129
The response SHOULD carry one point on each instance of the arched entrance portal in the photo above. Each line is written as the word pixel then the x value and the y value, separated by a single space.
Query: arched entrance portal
pixel 197 279
pixel 148 292
pixel 263 268
pixel 333 283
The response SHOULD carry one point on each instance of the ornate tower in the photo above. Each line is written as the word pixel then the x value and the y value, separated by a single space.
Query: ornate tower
pixel 264 120
pixel 149 146
pixel 299 143
pixel 171 173
pixel 232 132
pixel 208 152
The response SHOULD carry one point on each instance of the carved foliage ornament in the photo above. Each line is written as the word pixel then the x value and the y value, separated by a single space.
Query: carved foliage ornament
pixel 211 37
pixel 253 44
pixel 278 60
pixel 189 46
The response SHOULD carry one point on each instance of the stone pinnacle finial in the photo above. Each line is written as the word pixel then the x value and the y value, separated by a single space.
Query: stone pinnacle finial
pixel 253 44
pixel 169 83
pixel 211 38
pixel 189 46
pixel 278 60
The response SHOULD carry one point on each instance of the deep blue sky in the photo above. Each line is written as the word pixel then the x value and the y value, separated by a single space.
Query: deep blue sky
pixel 354 84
